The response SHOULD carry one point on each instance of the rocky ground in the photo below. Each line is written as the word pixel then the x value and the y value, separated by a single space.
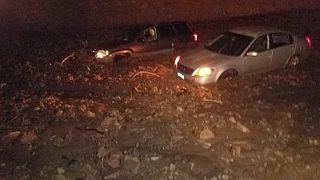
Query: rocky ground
pixel 65 116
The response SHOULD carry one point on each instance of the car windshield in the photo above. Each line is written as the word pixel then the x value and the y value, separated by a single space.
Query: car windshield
pixel 131 34
pixel 230 44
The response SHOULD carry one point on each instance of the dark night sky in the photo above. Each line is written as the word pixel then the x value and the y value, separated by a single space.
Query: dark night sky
pixel 24 14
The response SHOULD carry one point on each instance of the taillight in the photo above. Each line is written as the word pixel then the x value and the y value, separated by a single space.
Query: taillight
pixel 195 37
pixel 308 41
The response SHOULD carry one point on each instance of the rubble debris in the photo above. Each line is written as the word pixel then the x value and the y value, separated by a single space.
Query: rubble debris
pixel 28 137
pixel 242 128
pixel 131 163
pixel 90 172
pixel 114 158
pixel 9 138
pixel 206 134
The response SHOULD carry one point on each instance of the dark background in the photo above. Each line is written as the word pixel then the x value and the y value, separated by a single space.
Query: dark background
pixel 20 15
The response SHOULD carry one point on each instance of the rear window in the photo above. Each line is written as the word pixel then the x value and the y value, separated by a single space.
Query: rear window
pixel 182 28
pixel 165 31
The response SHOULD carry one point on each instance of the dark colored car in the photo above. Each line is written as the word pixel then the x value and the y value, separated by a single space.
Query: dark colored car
pixel 149 39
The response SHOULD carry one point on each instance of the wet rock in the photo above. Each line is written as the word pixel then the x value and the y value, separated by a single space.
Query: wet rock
pixel 102 152
pixel 204 144
pixel 59 112
pixel 176 138
pixel 89 114
pixel 155 158
pixel 233 120
pixel 313 142
pixel 242 128
pixel 9 138
pixel 132 164
pixel 206 134
pixel 28 137
pixel 90 172
pixel 114 175
pixel 114 158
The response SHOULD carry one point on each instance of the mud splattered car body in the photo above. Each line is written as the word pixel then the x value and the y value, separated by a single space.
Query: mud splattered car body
pixel 149 39
pixel 240 51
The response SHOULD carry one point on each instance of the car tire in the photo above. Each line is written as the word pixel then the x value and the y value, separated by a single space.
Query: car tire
pixel 229 74
pixel 123 58
pixel 293 61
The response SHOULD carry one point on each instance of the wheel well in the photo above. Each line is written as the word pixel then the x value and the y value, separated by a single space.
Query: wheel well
pixel 295 55
pixel 122 54
pixel 228 73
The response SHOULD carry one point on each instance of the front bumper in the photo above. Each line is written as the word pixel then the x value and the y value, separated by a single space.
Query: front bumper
pixel 196 79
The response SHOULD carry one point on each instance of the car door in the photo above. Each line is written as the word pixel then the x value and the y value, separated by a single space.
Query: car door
pixel 165 40
pixel 282 47
pixel 145 42
pixel 258 57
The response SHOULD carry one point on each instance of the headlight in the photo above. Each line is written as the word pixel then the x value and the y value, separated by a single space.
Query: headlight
pixel 204 71
pixel 102 54
pixel 176 61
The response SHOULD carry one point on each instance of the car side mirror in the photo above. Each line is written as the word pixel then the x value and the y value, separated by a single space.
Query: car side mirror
pixel 252 54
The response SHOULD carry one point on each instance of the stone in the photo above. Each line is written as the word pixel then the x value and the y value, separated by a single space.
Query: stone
pixel 89 114
pixel 131 163
pixel 9 138
pixel 242 128
pixel 232 120
pixel 206 134
pixel 114 158
pixel 28 137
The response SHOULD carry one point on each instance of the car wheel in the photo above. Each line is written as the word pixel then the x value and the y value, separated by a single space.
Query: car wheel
pixel 123 58
pixel 293 61
pixel 229 74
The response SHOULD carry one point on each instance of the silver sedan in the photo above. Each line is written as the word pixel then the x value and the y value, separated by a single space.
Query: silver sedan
pixel 241 51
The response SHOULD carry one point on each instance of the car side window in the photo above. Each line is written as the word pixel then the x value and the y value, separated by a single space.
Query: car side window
pixel 165 31
pixel 280 39
pixel 260 44
pixel 149 34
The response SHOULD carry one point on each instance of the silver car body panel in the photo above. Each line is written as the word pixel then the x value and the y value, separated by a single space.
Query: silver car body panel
pixel 271 59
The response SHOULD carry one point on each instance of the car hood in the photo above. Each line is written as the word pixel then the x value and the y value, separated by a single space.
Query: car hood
pixel 113 45
pixel 203 57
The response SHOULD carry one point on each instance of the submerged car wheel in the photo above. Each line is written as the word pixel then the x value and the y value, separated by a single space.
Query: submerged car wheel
pixel 293 61
pixel 121 58
pixel 229 74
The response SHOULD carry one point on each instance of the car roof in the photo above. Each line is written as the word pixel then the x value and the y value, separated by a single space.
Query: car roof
pixel 255 31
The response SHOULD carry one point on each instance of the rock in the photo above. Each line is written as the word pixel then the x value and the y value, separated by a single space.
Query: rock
pixel 59 112
pixel 60 170
pixel 114 158
pixel 242 128
pixel 132 164
pixel 89 114
pixel 204 144
pixel 102 152
pixel 114 175
pixel 172 169
pixel 155 158
pixel 176 138
pixel 59 177
pixel 314 142
pixel 90 172
pixel 206 134
pixel 99 108
pixel 232 120
pixel 9 138
pixel 28 137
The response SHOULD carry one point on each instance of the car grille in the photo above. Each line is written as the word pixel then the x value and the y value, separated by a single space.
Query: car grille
pixel 184 69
